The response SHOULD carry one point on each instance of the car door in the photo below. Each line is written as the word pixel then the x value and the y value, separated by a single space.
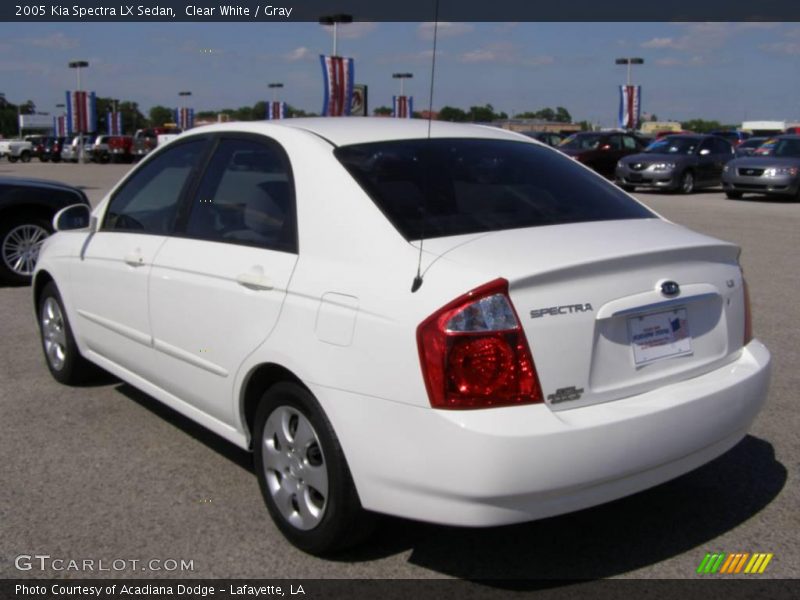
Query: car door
pixel 216 292
pixel 109 283
pixel 721 151
pixel 705 162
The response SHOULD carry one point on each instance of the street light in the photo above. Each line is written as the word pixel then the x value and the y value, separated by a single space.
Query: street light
pixel 183 94
pixel 402 77
pixel 78 65
pixel 275 86
pixel 629 61
pixel 334 20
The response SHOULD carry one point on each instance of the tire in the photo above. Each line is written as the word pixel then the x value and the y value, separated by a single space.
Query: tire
pixel 686 185
pixel 12 159
pixel 733 195
pixel 61 353
pixel 303 474
pixel 56 158
pixel 628 188
pixel 21 237
pixel 44 159
pixel 104 158
pixel 25 156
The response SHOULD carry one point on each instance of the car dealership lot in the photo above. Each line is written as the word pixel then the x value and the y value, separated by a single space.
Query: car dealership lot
pixel 105 472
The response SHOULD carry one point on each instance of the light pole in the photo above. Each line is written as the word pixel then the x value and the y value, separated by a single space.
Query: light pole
pixel 275 86
pixel 629 60
pixel 183 95
pixel 78 65
pixel 402 77
pixel 334 20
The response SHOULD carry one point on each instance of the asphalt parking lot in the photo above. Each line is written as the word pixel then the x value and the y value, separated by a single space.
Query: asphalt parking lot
pixel 105 472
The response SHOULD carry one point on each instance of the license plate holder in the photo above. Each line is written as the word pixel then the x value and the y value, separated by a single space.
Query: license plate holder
pixel 658 336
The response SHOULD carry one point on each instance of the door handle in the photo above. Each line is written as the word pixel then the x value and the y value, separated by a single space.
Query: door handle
pixel 134 259
pixel 254 281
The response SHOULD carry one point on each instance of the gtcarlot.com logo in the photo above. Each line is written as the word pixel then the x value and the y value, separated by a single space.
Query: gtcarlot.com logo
pixel 45 562
pixel 731 563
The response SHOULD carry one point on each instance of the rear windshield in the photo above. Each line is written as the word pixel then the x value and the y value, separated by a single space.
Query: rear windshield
pixel 673 144
pixel 443 187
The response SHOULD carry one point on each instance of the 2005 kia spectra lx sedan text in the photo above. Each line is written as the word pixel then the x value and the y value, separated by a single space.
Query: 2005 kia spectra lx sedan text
pixel 458 325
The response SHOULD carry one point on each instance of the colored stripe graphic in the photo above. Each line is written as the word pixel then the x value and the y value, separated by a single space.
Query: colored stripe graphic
pixel 734 563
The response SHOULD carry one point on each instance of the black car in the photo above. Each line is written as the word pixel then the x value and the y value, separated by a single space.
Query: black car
pixel 601 150
pixel 52 149
pixel 27 207
pixel 680 163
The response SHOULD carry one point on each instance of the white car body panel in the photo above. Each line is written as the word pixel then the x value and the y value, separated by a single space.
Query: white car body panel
pixel 340 316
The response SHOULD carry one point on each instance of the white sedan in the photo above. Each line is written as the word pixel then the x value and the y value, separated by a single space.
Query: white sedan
pixel 450 323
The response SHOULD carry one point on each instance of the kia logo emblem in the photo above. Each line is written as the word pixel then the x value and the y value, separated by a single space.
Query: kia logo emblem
pixel 670 288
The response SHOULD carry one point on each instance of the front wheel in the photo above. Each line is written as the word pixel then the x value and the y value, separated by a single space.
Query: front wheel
pixel 12 159
pixel 61 353
pixel 21 237
pixel 733 195
pixel 687 183
pixel 25 156
pixel 303 474
pixel 628 188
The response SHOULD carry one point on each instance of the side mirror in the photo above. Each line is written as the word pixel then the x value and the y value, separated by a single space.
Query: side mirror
pixel 705 152
pixel 75 216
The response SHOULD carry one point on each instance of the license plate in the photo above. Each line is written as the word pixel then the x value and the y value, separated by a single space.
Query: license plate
pixel 660 335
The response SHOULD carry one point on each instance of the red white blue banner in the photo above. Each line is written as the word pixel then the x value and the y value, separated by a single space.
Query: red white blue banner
pixel 114 123
pixel 184 117
pixel 338 73
pixel 81 113
pixel 402 107
pixel 630 105
pixel 276 110
pixel 60 126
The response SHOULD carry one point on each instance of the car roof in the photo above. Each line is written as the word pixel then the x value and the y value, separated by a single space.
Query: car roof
pixel 341 131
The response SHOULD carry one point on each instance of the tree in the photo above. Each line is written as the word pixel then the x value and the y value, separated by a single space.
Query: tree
pixel 160 115
pixel 382 111
pixel 562 115
pixel 451 113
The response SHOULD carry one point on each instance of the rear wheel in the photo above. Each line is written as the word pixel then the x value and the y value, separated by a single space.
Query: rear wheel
pixel 21 237
pixel 61 353
pixel 12 159
pixel 303 474
pixel 733 195
pixel 628 188
pixel 25 156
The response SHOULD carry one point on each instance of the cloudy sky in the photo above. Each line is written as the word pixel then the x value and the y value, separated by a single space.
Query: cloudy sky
pixel 725 71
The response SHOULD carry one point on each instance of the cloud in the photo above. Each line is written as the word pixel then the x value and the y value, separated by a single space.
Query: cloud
pixel 444 29
pixel 503 52
pixel 300 53
pixel 665 42
pixel 671 61
pixel 352 31
pixel 788 48
pixel 704 37
pixel 54 41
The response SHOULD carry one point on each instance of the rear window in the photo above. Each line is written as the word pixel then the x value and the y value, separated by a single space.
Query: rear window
pixel 443 187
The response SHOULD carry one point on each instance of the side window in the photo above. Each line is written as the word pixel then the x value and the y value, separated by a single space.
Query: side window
pixel 721 147
pixel 629 142
pixel 615 141
pixel 246 197
pixel 705 148
pixel 148 201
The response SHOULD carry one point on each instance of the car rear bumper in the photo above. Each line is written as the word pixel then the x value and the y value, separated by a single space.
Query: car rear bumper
pixel 507 465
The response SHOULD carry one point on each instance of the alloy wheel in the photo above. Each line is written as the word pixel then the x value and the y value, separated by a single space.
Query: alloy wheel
pixel 53 333
pixel 21 248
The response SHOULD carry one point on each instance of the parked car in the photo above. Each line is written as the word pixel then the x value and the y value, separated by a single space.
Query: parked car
pixel 679 163
pixel 556 344
pixel 71 152
pixel 120 147
pixel 146 140
pixel 747 147
pixel 601 150
pixel 666 132
pixel 776 174
pixel 37 144
pixel 52 149
pixel 99 149
pixel 550 138
pixel 15 150
pixel 733 136
pixel 27 207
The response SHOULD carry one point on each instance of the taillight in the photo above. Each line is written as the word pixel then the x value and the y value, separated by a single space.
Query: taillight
pixel 748 314
pixel 474 353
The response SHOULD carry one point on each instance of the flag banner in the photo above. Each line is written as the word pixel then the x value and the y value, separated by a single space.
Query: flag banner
pixel 114 123
pixel 359 106
pixel 337 73
pixel 630 106
pixel 81 112
pixel 402 107
pixel 276 110
pixel 60 128
pixel 184 117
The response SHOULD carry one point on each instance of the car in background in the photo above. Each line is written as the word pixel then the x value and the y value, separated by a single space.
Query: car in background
pixel 776 174
pixel 99 150
pixel 16 150
pixel 52 148
pixel 601 150
pixel 735 137
pixel 37 144
pixel 749 146
pixel 666 132
pixel 27 207
pixel 146 140
pixel 551 138
pixel 681 163
pixel 71 152
pixel 120 147
pixel 572 348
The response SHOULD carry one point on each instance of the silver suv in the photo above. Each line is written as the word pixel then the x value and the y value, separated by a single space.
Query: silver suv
pixel 71 151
